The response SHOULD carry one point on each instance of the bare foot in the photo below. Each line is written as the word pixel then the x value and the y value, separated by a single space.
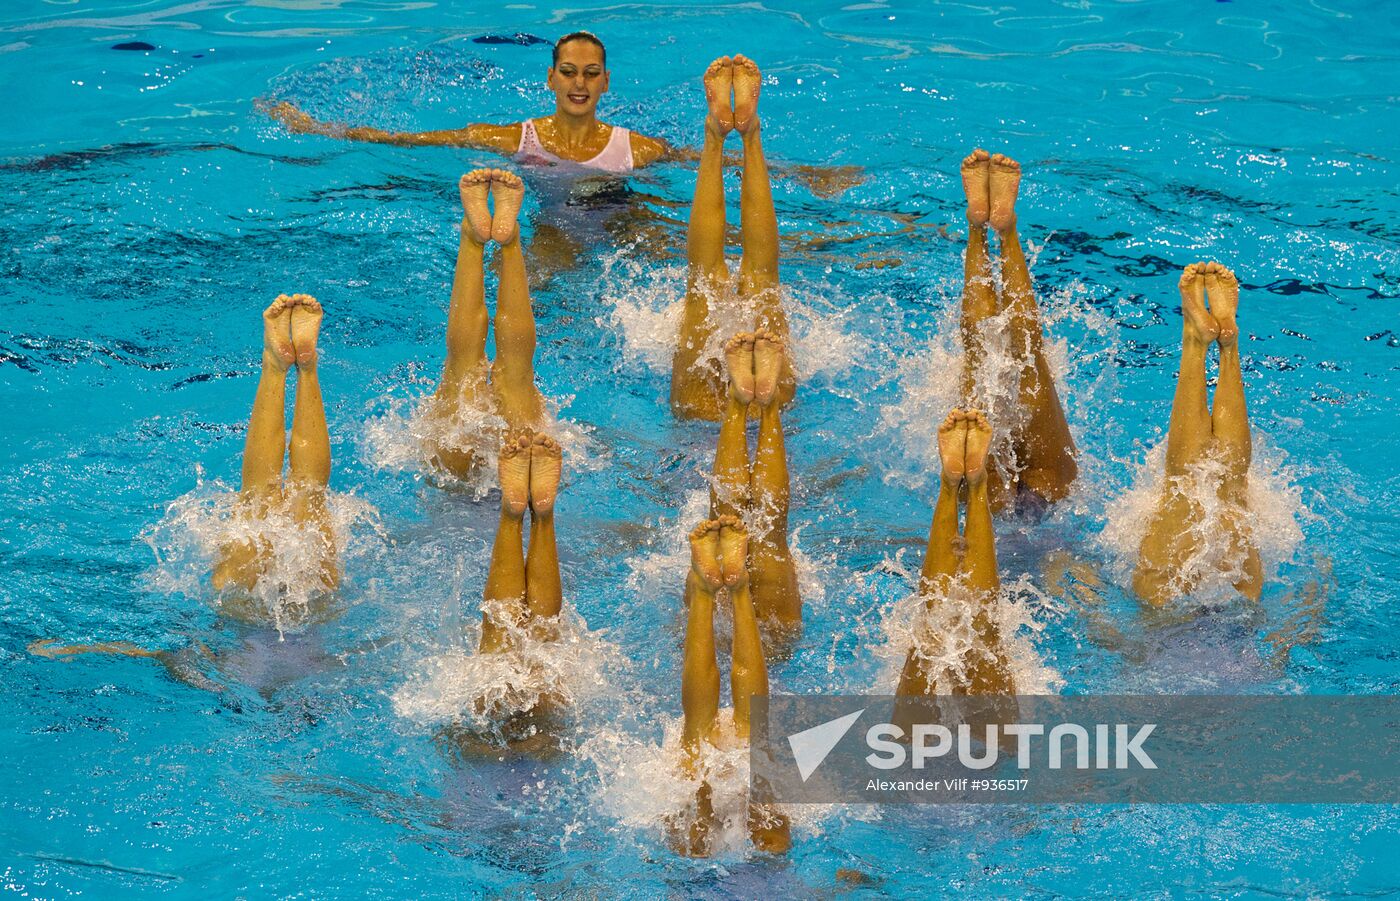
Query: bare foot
pixel 719 83
pixel 1003 183
pixel 508 192
pixel 976 175
pixel 952 438
pixel 738 354
pixel 704 554
pixel 515 473
pixel 1224 291
pixel 747 82
pixel 278 352
pixel 733 550
pixel 545 464
pixel 979 439
pixel 1199 322
pixel 306 326
pixel 769 352
pixel 475 186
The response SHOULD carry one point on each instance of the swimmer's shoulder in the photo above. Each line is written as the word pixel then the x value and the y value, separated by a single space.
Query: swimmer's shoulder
pixel 647 150
pixel 500 138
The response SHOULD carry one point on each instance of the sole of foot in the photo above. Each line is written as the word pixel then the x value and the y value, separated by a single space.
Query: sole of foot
pixel 306 328
pixel 546 463
pixel 508 194
pixel 514 472
pixel 1003 183
pixel 769 351
pixel 277 333
pixel 979 440
pixel 1199 321
pixel 952 440
pixel 719 85
pixel 1223 289
pixel 475 188
pixel 704 554
pixel 748 82
pixel 738 358
pixel 733 550
pixel 976 179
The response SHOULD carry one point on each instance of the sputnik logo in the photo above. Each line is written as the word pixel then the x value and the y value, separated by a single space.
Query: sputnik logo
pixel 811 746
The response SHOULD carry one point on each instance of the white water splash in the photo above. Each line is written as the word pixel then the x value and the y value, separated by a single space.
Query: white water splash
pixel 196 527
pixel 944 637
pixel 483 691
pixel 930 376
pixel 1273 520
pixel 409 433
pixel 643 785
pixel 647 302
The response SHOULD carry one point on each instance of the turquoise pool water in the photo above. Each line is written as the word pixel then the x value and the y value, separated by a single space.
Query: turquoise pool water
pixel 151 213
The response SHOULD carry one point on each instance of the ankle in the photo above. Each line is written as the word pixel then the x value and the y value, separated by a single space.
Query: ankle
pixel 469 235
pixel 274 365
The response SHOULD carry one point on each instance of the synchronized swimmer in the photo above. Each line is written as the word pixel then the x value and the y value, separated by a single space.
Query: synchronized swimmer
pixel 732 362
pixel 578 76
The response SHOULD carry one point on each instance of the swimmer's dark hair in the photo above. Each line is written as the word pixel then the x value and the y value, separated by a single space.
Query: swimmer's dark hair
pixel 586 36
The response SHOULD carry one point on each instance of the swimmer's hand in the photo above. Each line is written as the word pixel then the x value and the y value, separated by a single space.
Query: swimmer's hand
pixel 826 181
pixel 292 117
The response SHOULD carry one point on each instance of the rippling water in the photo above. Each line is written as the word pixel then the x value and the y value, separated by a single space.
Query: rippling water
pixel 151 213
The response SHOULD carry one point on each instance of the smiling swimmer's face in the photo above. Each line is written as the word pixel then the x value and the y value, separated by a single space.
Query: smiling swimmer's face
pixel 579 79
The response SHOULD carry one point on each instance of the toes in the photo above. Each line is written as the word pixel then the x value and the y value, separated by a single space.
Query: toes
pixel 977 157
pixel 1005 163
pixel 545 444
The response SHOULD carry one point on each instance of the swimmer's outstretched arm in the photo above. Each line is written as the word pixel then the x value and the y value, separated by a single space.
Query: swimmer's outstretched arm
pixel 49 647
pixel 503 139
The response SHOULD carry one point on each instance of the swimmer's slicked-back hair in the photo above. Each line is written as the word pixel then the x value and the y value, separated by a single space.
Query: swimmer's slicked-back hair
pixel 587 36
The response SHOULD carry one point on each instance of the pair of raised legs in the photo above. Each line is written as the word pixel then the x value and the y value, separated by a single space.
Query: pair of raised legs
pixel 963 442
pixel 290 329
pixel 719 554
pixel 510 388
pixel 731 92
pixel 1196 431
pixel 1040 439
pixel 291 325
pixel 760 490
pixel 523 591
